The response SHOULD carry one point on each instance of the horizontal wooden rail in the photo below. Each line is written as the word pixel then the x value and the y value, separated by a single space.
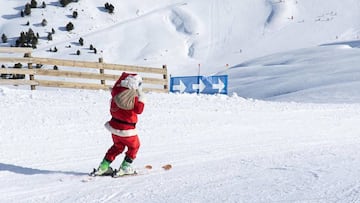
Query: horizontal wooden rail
pixel 83 64
pixel 62 84
pixel 18 82
pixel 155 78
pixel 15 50
pixel 72 74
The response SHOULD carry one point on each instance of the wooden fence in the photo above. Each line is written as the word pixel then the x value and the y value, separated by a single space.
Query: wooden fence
pixel 98 75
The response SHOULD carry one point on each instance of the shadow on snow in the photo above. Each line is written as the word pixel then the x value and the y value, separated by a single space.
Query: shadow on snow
pixel 32 171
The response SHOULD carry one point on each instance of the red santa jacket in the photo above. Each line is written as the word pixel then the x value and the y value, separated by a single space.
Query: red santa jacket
pixel 126 103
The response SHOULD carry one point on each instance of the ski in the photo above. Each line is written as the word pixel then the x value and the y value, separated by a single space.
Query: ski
pixel 109 172
pixel 116 175
pixel 112 173
pixel 147 169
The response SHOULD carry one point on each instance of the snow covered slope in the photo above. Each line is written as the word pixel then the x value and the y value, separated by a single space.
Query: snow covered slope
pixel 183 34
pixel 222 149
pixel 326 74
pixel 288 131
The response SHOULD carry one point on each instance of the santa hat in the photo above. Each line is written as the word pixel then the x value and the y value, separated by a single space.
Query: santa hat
pixel 131 81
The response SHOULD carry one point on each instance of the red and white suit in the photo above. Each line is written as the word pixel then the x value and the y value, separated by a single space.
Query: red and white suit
pixel 127 101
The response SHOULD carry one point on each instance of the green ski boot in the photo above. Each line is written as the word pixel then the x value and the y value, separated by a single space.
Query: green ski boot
pixel 103 169
pixel 125 168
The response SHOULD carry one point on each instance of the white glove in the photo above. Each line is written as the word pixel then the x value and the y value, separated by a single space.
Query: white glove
pixel 141 94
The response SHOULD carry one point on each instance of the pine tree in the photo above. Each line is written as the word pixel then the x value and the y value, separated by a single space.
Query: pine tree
pixel 49 37
pixel 65 2
pixel 107 5
pixel 20 42
pixel 22 37
pixel 33 4
pixel 4 38
pixel 69 26
pixel 27 10
pixel 34 42
pixel 81 41
pixel 111 8
pixel 44 22
pixel 17 43
pixel 78 52
pixel 43 5
pixel 30 35
pixel 75 14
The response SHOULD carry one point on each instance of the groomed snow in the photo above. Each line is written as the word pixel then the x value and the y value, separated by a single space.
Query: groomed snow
pixel 287 132
pixel 222 149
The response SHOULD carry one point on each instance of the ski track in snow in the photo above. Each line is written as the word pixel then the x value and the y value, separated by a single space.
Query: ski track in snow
pixel 252 151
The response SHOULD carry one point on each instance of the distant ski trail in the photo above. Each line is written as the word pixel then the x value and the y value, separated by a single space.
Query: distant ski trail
pixel 220 29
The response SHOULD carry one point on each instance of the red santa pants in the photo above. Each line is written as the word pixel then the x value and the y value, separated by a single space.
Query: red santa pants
pixel 132 143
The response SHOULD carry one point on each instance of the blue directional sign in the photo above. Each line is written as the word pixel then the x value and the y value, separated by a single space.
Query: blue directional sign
pixel 200 84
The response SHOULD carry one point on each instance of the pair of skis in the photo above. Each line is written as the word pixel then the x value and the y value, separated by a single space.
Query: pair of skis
pixel 110 172
pixel 115 174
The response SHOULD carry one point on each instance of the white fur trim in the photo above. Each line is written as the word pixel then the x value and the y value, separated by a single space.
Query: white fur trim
pixel 131 82
pixel 121 133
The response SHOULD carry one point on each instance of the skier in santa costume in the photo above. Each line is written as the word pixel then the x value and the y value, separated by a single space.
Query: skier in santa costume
pixel 127 101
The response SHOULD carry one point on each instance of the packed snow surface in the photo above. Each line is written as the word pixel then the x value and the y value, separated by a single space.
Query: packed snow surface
pixel 222 149
pixel 287 132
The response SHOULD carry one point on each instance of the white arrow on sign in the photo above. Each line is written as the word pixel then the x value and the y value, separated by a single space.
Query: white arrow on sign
pixel 220 86
pixel 201 86
pixel 181 87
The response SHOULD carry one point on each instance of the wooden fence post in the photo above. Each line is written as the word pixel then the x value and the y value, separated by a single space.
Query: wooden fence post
pixel 101 60
pixel 165 77
pixel 28 54
pixel 32 87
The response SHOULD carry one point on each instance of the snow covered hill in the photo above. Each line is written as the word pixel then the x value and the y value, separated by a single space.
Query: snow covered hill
pixel 218 35
pixel 287 132
pixel 183 34
pixel 325 74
